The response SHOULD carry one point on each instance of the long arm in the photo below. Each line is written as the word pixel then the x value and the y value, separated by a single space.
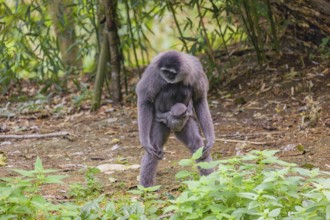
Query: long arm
pixel 145 118
pixel 205 120
pixel 203 112
pixel 146 93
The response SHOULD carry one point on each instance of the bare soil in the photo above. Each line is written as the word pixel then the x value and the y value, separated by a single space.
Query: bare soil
pixel 266 108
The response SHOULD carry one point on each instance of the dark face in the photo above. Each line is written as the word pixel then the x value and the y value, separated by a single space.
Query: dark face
pixel 169 65
pixel 169 73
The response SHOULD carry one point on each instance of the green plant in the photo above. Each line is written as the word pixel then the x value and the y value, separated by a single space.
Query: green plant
pixel 90 189
pixel 151 200
pixel 20 197
pixel 255 186
pixel 29 47
pixel 123 209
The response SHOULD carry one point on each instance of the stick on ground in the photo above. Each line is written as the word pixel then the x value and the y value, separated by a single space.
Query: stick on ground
pixel 240 141
pixel 38 136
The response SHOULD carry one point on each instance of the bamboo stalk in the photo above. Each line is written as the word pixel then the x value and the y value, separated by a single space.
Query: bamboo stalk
pixel 255 21
pixel 138 29
pixel 101 72
pixel 177 25
pixel 272 26
pixel 209 46
pixel 132 37
pixel 220 31
pixel 248 23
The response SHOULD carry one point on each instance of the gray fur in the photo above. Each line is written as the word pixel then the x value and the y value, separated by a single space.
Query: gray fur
pixel 158 92
pixel 177 117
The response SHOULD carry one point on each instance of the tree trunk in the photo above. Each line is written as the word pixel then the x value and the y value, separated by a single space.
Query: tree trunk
pixel 62 16
pixel 310 19
pixel 101 72
pixel 114 44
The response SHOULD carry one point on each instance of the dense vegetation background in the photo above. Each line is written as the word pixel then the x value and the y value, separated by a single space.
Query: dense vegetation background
pixel 55 43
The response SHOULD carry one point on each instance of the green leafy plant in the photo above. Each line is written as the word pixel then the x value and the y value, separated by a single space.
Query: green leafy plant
pixel 90 189
pixel 30 46
pixel 151 200
pixel 193 175
pixel 20 197
pixel 255 186
pixel 125 209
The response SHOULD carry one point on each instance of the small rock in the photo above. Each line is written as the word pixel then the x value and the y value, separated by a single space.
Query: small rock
pixel 108 168
pixel 112 180
pixel 112 120
pixel 115 147
pixel 134 166
pixel 5 143
pixel 289 147
pixel 111 167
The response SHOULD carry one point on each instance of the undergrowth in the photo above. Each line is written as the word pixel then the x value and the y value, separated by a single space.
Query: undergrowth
pixel 255 186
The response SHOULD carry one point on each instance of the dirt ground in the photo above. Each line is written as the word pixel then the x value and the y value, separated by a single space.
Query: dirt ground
pixel 265 109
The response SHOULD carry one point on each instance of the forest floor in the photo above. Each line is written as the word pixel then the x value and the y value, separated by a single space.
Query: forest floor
pixel 283 105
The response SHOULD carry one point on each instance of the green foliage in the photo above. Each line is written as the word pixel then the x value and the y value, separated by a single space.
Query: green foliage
pixel 124 209
pixel 28 45
pixel 151 200
pixel 252 16
pixel 20 198
pixel 255 186
pixel 90 189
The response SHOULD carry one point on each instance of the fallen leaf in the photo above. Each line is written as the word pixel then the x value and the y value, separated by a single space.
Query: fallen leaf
pixel 115 141
pixel 300 147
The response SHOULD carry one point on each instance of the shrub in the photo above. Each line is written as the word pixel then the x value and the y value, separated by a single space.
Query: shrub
pixel 255 186
pixel 20 197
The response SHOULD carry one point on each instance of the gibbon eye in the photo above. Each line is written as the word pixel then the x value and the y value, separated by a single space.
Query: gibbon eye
pixel 170 72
